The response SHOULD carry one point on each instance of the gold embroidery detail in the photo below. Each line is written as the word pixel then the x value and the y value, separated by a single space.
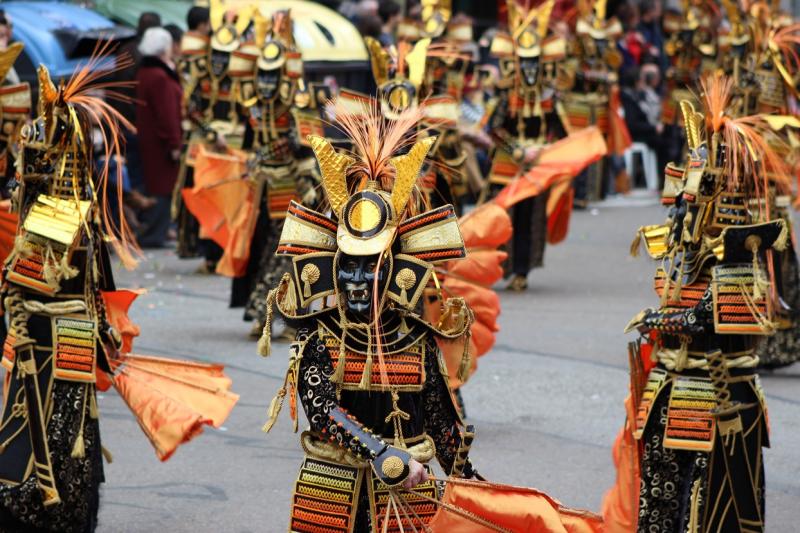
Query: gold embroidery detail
pixel 392 467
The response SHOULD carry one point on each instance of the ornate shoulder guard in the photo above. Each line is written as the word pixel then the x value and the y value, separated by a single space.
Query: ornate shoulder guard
pixel 740 288
pixel 654 239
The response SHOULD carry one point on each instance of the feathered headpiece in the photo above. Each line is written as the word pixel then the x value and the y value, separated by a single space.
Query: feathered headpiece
pixel 736 146
pixel 80 100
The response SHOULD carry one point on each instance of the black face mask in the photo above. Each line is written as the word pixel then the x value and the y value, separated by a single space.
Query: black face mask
pixel 355 279
pixel 529 68
pixel 219 63
pixel 267 83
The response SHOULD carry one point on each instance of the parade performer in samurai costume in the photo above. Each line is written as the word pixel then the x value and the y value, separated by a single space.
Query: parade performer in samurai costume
pixel 525 117
pixel 593 96
pixel 366 362
pixel 218 76
pixel 700 412
pixel 65 331
pixel 281 115
pixel 760 58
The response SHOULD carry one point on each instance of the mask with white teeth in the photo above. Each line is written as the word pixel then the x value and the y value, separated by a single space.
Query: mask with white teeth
pixel 356 280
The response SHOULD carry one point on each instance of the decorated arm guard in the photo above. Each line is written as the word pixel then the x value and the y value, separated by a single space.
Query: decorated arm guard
pixel 693 321
pixel 318 395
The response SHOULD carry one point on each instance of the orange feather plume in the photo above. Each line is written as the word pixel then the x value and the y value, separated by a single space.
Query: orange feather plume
pixel 377 139
pixel 750 161
pixel 81 92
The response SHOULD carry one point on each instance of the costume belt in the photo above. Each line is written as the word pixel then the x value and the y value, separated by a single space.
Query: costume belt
pixel 422 450
pixel 679 359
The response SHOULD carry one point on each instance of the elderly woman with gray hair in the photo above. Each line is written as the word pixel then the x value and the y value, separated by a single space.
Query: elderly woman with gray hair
pixel 158 123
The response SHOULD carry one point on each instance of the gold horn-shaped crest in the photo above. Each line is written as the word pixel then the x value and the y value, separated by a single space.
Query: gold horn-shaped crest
pixel 693 122
pixel 379 60
pixel 7 58
pixel 243 19
pixel 416 62
pixel 543 17
pixel 407 169
pixel 47 90
pixel 333 166
pixel 216 13
pixel 261 27
pixel 599 12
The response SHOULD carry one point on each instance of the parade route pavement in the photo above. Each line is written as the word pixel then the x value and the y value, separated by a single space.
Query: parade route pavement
pixel 547 402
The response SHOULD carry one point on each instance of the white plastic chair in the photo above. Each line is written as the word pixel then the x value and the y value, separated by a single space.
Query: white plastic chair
pixel 649 163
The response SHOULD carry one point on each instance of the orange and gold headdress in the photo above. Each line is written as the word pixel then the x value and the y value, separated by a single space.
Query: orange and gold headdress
pixel 77 104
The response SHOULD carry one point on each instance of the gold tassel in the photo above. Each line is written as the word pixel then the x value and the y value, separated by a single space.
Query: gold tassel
pixel 93 411
pixel 265 342
pixel 338 375
pixel 366 376
pixel 274 410
pixel 79 448
pixel 107 454
pixel 635 244
pixel 783 238
pixel 403 326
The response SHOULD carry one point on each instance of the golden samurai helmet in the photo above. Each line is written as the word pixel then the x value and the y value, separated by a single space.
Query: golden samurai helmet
pixel 596 33
pixel 435 17
pixel 280 64
pixel 374 213
pixel 398 78
pixel 528 43
pixel 728 159
pixel 228 27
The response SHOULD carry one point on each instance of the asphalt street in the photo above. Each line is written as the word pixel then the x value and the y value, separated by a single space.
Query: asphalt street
pixel 547 402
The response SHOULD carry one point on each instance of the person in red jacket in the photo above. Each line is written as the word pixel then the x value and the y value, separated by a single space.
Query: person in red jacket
pixel 158 123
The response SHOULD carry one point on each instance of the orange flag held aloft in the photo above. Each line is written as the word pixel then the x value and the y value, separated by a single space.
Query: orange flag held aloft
pixel 224 205
pixel 172 399
pixel 471 506
pixel 560 161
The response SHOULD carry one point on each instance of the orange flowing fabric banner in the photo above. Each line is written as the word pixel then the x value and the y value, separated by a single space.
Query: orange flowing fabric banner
pixel 173 399
pixel 560 161
pixel 118 304
pixel 484 230
pixel 8 228
pixel 507 508
pixel 620 507
pixel 225 206
pixel 619 138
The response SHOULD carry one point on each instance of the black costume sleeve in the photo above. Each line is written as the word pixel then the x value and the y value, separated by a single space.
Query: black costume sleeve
pixel 331 421
pixel 442 421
